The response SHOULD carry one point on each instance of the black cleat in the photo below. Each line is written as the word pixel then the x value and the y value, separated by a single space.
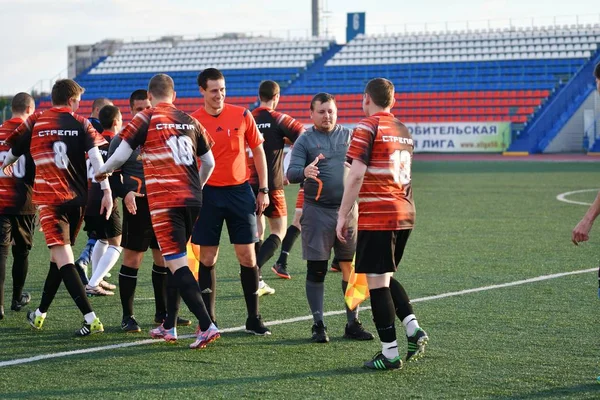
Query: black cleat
pixel 416 345
pixel 335 266
pixel 281 271
pixel 356 331
pixel 319 333
pixel 382 363
pixel 23 301
pixel 130 325
pixel 255 326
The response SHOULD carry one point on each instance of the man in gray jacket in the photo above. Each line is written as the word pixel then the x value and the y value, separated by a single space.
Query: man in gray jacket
pixel 318 159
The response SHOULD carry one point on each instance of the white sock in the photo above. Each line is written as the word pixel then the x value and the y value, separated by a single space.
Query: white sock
pixel 89 317
pixel 108 260
pixel 410 324
pixel 99 250
pixel 390 350
pixel 38 313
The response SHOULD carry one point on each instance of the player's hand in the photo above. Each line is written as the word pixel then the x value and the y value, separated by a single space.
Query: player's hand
pixel 130 203
pixel 8 170
pixel 107 203
pixel 581 232
pixel 100 176
pixel 341 230
pixel 262 202
pixel 311 170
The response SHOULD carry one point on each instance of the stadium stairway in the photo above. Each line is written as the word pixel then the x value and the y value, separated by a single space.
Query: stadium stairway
pixel 314 68
pixel 556 111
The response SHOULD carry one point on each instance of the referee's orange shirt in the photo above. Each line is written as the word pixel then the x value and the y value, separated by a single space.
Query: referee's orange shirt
pixel 232 130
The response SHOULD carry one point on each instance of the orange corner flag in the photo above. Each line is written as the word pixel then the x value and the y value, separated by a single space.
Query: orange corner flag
pixel 357 290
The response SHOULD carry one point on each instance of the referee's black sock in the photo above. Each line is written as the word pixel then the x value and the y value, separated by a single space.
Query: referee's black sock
pixel 287 243
pixel 208 283
pixel 51 286
pixel 249 277
pixel 159 283
pixel 75 288
pixel 402 304
pixel 267 250
pixel 127 283
pixel 190 293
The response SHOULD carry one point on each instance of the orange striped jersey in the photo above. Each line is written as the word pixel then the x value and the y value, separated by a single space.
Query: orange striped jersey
pixel 232 130
pixel 275 128
pixel 15 190
pixel 58 140
pixel 385 146
pixel 170 141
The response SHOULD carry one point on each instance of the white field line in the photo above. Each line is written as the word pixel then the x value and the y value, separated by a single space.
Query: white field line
pixel 20 361
pixel 563 196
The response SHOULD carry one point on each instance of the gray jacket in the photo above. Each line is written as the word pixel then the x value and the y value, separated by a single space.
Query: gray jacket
pixel 332 172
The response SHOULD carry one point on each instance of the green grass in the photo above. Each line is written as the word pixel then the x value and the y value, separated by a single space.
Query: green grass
pixel 478 224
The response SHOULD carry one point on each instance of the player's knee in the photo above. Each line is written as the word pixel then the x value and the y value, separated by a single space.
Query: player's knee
pixel 316 271
pixel 20 251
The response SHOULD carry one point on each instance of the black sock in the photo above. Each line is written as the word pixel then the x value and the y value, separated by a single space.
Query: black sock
pixel 51 286
pixel 249 277
pixel 19 270
pixel 159 283
pixel 382 307
pixel 127 284
pixel 267 250
pixel 190 293
pixel 402 304
pixel 257 246
pixel 173 301
pixel 3 258
pixel 75 288
pixel 170 315
pixel 287 243
pixel 208 283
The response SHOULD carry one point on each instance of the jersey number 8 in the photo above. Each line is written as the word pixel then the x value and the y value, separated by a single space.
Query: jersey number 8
pixel 61 159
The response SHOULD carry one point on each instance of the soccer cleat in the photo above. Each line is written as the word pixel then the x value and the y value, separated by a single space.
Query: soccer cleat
pixel 90 329
pixel 319 333
pixel 160 318
pixel 416 345
pixel 383 363
pixel 335 266
pixel 264 289
pixel 281 271
pixel 97 291
pixel 169 335
pixel 107 286
pixel 130 325
pixel 255 326
pixel 356 331
pixel 35 321
pixel 204 338
pixel 23 301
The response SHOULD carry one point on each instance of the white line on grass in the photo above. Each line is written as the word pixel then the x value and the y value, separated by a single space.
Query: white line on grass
pixel 19 361
pixel 563 196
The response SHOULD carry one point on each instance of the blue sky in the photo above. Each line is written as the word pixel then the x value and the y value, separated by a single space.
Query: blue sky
pixel 36 33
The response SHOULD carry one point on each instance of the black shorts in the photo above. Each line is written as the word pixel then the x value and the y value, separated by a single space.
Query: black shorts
pixel 236 205
pixel 60 224
pixel 173 227
pixel 18 228
pixel 380 252
pixel 101 228
pixel 138 233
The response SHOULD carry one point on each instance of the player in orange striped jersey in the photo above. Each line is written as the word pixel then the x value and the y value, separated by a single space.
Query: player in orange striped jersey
pixel 380 176
pixel 58 140
pixel 171 141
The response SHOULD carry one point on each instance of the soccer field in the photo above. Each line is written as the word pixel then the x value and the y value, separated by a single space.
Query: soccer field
pixel 480 225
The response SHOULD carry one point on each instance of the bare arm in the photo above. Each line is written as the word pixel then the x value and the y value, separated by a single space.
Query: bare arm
pixel 260 162
pixel 352 187
pixel 582 229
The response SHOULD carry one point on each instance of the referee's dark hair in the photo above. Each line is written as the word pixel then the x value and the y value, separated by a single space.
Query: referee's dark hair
pixel 108 115
pixel 20 103
pixel 209 74
pixel 268 90
pixel 321 98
